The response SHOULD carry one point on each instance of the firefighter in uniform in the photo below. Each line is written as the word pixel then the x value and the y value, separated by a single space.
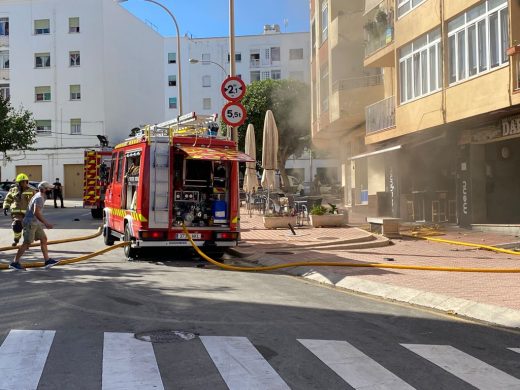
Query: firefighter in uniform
pixel 17 200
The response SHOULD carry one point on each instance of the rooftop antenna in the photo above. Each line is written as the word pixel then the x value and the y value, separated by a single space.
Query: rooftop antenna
pixel 286 23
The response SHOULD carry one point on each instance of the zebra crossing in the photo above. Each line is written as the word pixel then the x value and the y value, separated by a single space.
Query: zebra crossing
pixel 129 363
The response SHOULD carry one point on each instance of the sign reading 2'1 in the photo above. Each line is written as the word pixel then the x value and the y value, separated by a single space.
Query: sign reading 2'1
pixel 233 89
pixel 234 114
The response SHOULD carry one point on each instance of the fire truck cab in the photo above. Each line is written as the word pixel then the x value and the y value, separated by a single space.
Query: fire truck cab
pixel 176 173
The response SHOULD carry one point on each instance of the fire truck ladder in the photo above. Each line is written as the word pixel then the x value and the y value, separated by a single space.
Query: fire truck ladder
pixel 159 177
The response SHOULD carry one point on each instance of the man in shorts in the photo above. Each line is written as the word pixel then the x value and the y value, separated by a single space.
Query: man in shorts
pixel 32 230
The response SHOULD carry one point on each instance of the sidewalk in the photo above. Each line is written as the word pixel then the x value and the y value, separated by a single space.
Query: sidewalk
pixel 484 296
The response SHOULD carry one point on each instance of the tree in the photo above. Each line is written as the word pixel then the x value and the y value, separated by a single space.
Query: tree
pixel 290 102
pixel 17 129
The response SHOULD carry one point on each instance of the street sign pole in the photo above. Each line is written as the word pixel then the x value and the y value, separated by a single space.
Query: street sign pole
pixel 232 63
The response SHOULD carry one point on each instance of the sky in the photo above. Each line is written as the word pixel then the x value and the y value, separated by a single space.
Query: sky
pixel 210 18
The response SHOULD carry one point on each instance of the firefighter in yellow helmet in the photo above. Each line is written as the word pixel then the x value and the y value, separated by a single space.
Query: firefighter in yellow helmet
pixel 17 200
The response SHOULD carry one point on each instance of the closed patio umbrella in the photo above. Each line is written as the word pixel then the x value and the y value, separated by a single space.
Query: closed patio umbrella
pixel 269 153
pixel 250 180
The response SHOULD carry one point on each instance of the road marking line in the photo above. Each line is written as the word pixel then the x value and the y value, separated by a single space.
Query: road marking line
pixel 353 366
pixel 517 350
pixel 240 364
pixel 129 363
pixel 22 358
pixel 466 367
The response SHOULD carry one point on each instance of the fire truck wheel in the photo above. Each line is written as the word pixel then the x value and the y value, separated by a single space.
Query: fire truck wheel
pixel 108 238
pixel 130 253
pixel 96 213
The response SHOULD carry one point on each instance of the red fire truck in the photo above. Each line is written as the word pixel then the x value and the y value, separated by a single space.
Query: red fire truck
pixel 95 173
pixel 174 173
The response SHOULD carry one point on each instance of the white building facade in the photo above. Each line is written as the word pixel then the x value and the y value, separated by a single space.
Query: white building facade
pixel 89 68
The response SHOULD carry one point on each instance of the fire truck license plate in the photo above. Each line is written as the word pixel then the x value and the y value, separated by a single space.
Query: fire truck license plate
pixel 195 236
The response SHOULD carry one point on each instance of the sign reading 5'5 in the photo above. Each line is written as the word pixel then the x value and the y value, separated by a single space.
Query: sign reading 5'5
pixel 233 89
pixel 234 114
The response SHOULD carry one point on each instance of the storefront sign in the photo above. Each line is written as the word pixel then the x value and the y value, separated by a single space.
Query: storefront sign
pixel 511 126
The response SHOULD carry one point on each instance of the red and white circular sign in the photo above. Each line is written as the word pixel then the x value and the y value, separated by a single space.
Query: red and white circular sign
pixel 233 89
pixel 234 114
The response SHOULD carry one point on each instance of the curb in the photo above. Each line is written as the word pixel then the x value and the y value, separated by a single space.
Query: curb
pixel 492 314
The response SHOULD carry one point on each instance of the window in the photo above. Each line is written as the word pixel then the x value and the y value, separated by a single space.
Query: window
pixel 43 127
pixel 4 26
pixel 75 92
pixel 74 25
pixel 478 40
pixel 206 103
pixel 266 75
pixel 4 59
pixel 172 80
pixel 296 54
pixel 42 94
pixel 324 88
pixel 276 74
pixel 254 57
pixel 238 57
pixel 42 26
pixel 296 75
pixel 74 58
pixel 206 58
pixel 206 81
pixel 5 92
pixel 420 70
pixel 172 58
pixel 120 161
pixel 172 102
pixel 275 54
pixel 75 126
pixel 255 75
pixel 42 60
pixel 403 6
pixel 324 20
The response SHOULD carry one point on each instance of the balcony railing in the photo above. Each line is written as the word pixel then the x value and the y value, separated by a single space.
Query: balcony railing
pixel 516 61
pixel 379 30
pixel 255 63
pixel 4 74
pixel 4 40
pixel 381 115
pixel 357 82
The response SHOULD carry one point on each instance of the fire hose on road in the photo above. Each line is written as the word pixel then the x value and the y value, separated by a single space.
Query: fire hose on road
pixel 264 268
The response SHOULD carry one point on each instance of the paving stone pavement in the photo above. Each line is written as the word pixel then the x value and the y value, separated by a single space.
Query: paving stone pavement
pixel 490 297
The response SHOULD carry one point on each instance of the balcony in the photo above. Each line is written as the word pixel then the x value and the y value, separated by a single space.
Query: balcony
pixel 349 98
pixel 4 74
pixel 4 40
pixel 516 64
pixel 255 63
pixel 380 116
pixel 379 37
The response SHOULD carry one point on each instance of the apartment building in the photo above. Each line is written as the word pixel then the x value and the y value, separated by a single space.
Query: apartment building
pixel 78 67
pixel 270 55
pixel 442 139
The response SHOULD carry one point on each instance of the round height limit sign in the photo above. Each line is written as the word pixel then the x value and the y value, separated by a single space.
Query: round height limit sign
pixel 233 89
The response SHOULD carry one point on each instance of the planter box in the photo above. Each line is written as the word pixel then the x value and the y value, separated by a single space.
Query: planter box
pixel 329 220
pixel 279 222
pixel 511 51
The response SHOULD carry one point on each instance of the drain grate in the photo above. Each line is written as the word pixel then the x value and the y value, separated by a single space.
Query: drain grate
pixel 165 336
pixel 280 253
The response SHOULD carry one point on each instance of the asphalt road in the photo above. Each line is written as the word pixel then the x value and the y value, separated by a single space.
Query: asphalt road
pixel 73 327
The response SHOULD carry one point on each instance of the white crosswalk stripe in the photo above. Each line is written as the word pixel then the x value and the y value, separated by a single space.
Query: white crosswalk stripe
pixel 22 357
pixel 240 364
pixel 129 363
pixel 517 350
pixel 466 367
pixel 353 366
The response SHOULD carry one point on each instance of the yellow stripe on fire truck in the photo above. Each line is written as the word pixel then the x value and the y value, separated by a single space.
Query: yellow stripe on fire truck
pixel 123 213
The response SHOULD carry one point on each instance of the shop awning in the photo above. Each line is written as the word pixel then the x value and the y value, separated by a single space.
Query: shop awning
pixel 215 154
pixel 376 152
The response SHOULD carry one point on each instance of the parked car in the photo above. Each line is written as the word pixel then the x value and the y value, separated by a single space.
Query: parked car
pixel 295 185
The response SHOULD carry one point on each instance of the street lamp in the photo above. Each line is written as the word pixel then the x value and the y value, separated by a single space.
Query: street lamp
pixel 195 61
pixel 178 47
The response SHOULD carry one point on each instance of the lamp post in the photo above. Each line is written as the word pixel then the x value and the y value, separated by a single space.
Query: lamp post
pixel 195 61
pixel 179 74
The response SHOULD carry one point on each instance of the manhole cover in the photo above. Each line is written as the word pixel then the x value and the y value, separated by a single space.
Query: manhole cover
pixel 280 253
pixel 327 238
pixel 165 336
